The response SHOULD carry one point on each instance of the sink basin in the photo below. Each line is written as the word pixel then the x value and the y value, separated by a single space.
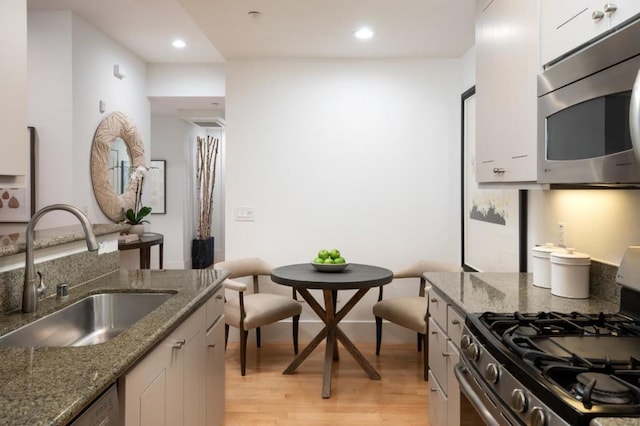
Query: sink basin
pixel 95 319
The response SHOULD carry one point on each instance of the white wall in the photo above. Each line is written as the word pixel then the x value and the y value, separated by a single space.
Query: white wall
pixel 358 155
pixel 182 80
pixel 70 71
pixel 601 223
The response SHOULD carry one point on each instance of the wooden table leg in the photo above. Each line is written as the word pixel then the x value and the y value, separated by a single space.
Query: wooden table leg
pixel 329 354
pixel 161 248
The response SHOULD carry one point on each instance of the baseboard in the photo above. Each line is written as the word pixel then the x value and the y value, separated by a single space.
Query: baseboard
pixel 363 331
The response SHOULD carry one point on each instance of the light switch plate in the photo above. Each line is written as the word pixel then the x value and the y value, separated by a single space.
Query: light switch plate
pixel 245 214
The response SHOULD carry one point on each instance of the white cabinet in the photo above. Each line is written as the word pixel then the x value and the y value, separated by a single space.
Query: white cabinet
pixel 568 24
pixel 13 86
pixel 168 386
pixel 507 65
pixel 445 331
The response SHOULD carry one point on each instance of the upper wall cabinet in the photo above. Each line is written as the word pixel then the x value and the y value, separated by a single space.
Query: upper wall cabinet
pixel 13 88
pixel 568 24
pixel 507 65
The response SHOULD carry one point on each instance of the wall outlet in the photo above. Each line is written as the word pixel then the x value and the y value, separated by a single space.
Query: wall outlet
pixel 562 234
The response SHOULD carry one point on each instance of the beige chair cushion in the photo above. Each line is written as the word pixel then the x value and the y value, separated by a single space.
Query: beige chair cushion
pixel 415 270
pixel 261 309
pixel 245 267
pixel 409 312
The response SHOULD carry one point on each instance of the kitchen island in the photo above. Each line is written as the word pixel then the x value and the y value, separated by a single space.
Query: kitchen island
pixel 475 293
pixel 52 385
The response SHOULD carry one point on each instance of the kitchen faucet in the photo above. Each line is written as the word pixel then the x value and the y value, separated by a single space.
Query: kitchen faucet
pixel 31 291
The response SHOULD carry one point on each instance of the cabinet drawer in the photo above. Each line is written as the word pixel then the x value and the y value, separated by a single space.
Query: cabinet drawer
pixel 453 388
pixel 438 309
pixel 438 354
pixel 437 403
pixel 215 307
pixel 454 325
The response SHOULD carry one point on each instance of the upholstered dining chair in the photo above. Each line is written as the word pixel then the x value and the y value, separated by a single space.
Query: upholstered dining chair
pixel 253 309
pixel 410 311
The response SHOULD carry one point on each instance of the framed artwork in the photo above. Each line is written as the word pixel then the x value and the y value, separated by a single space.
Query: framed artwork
pixel 156 187
pixel 494 221
pixel 18 204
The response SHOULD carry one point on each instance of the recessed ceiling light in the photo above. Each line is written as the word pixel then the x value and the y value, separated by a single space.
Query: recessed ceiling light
pixel 364 33
pixel 179 44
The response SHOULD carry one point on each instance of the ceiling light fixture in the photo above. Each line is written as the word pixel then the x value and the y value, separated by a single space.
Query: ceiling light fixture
pixel 364 33
pixel 179 44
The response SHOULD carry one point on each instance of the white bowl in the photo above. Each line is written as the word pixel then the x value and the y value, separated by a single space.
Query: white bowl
pixel 330 267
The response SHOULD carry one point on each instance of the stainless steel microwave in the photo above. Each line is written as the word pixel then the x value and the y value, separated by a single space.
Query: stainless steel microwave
pixel 587 122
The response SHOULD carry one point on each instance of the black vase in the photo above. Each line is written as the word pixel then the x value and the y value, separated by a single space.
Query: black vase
pixel 202 253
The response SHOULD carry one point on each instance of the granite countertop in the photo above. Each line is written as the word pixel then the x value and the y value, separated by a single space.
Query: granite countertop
pixel 477 292
pixel 50 386
pixel 16 242
pixel 510 292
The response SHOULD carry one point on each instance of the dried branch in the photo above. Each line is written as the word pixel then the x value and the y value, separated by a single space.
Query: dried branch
pixel 207 153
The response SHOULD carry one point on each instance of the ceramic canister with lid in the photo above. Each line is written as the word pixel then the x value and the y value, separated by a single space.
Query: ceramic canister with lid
pixel 570 274
pixel 542 264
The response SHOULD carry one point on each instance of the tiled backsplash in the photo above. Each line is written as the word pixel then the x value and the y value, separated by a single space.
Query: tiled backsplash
pixel 74 269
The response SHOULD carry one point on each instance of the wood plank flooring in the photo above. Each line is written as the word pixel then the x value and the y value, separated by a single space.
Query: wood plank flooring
pixel 267 397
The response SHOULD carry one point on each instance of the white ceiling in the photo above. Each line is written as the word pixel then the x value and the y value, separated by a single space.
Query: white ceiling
pixel 216 30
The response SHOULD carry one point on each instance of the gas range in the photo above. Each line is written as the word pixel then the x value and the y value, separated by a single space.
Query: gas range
pixel 555 368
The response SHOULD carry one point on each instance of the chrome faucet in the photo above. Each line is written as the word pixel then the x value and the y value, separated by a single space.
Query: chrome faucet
pixel 31 289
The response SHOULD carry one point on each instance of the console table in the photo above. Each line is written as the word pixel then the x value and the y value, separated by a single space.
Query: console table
pixel 144 244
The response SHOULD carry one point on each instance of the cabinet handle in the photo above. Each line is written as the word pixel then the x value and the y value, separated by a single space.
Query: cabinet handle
pixel 433 390
pixel 445 354
pixel 609 8
pixel 219 297
pixel 434 332
pixel 179 344
pixel 498 170
pixel 455 322
pixel 597 15
pixel 434 300
pixel 213 345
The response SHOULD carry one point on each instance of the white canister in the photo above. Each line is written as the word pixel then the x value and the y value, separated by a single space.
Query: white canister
pixel 542 264
pixel 570 274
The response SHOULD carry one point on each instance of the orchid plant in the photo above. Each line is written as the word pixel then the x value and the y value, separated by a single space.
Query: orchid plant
pixel 136 215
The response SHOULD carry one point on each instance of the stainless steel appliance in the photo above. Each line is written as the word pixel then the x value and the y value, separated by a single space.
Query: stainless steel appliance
pixel 552 368
pixel 104 411
pixel 589 114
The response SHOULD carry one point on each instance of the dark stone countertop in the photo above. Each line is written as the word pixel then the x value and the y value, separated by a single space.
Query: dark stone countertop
pixel 50 386
pixel 510 292
pixel 16 242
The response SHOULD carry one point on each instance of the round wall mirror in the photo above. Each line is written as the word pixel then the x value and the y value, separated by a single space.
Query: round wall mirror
pixel 117 148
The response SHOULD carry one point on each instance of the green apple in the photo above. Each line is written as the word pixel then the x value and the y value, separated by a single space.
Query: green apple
pixel 318 260
pixel 323 254
pixel 334 253
pixel 339 260
pixel 328 261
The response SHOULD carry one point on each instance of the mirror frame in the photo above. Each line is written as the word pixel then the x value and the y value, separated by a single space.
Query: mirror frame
pixel 115 125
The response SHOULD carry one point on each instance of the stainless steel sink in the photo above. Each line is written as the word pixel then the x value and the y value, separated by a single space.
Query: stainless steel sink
pixel 95 319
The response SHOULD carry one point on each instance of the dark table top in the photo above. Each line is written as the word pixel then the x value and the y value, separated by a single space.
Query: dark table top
pixel 355 276
pixel 146 240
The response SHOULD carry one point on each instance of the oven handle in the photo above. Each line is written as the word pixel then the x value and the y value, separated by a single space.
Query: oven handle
pixel 634 117
pixel 473 394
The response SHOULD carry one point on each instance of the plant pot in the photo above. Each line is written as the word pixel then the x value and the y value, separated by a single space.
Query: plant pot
pixel 202 253
pixel 137 229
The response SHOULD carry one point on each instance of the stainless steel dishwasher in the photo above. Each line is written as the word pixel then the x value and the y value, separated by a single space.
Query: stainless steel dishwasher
pixel 101 412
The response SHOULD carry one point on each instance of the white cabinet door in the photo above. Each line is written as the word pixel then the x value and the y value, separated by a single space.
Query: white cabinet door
pixel 569 24
pixel 13 87
pixel 507 46
pixel 453 388
pixel 167 386
pixel 437 403
pixel 215 374
pixel 437 350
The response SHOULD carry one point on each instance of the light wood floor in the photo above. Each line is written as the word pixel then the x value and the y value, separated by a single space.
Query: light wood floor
pixel 267 397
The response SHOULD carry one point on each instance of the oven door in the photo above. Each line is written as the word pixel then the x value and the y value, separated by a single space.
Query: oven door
pixel 584 129
pixel 475 389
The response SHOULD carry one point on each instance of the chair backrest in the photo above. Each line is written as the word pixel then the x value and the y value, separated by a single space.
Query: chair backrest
pixel 249 267
pixel 416 269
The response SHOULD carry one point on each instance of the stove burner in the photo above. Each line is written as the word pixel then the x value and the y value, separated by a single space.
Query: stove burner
pixel 524 330
pixel 598 388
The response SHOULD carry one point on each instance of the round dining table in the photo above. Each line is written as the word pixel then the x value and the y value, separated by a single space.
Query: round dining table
pixel 304 277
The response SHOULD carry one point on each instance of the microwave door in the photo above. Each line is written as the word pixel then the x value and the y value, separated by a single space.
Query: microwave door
pixel 634 117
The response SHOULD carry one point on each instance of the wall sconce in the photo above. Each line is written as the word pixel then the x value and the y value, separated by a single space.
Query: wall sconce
pixel 119 72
